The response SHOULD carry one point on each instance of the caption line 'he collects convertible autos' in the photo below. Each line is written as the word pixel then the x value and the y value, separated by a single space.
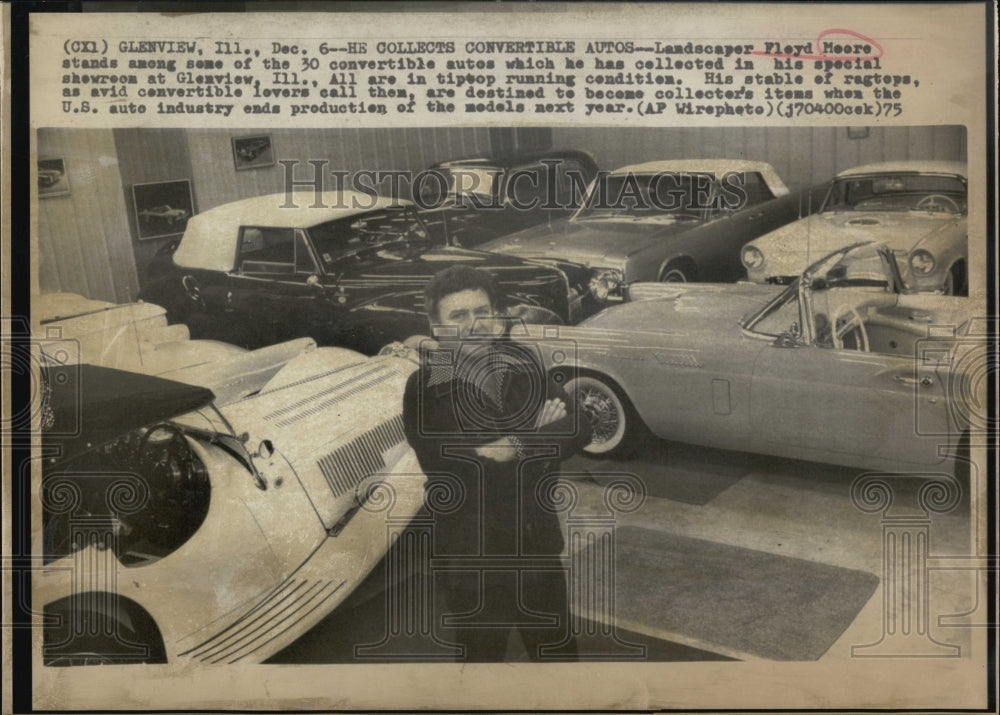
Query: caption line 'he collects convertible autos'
pixel 838 367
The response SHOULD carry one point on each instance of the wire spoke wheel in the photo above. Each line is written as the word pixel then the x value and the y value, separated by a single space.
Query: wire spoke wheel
pixel 606 411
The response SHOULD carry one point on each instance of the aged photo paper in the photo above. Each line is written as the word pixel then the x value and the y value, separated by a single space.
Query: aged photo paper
pixel 202 185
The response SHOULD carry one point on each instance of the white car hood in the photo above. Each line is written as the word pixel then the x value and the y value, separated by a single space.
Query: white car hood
pixel 336 417
pixel 792 248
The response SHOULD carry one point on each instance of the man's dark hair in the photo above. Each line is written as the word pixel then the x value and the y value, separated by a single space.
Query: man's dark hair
pixel 455 279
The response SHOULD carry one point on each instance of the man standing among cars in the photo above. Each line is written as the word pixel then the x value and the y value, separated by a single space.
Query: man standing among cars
pixel 490 426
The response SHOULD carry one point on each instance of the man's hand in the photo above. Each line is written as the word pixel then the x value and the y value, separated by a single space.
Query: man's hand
pixel 504 450
pixel 500 450
pixel 552 411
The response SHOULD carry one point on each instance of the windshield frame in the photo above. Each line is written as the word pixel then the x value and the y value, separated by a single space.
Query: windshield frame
pixel 617 213
pixel 826 206
pixel 805 284
pixel 331 269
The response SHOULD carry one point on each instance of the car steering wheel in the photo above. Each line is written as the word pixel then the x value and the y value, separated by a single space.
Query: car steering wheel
pixel 850 323
pixel 932 201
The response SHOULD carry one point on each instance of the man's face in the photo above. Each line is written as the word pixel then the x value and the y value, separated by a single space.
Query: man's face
pixel 464 312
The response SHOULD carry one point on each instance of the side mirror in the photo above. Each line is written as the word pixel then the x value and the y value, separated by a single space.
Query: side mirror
pixel 790 338
pixel 785 340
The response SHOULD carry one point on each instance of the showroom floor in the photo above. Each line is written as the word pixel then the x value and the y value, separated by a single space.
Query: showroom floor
pixel 733 555
pixel 790 532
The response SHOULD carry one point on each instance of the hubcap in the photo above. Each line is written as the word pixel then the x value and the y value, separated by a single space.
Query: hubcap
pixel 603 411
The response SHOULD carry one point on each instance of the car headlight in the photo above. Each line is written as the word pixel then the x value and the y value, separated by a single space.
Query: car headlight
pixel 605 282
pixel 752 257
pixel 922 261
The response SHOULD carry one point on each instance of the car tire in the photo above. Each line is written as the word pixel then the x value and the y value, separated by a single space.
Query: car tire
pixel 955 282
pixel 125 636
pixel 677 272
pixel 614 420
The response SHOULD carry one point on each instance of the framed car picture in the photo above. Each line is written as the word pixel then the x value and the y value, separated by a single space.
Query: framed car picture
pixel 252 152
pixel 162 208
pixel 53 180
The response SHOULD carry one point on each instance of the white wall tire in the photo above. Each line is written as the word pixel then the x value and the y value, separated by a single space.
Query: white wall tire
pixel 611 414
pixel 679 270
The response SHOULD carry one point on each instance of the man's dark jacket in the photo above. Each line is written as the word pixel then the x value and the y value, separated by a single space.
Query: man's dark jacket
pixel 450 407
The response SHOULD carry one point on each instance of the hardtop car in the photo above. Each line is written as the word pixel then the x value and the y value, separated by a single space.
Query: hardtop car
pixel 343 268
pixel 838 367
pixel 917 208
pixel 178 530
pixel 676 221
pixel 479 198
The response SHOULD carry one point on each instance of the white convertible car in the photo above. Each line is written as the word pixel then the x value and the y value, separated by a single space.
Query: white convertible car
pixel 181 526
pixel 917 208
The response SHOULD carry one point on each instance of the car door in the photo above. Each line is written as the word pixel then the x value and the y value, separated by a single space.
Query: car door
pixel 274 293
pixel 844 406
pixel 745 209
pixel 533 194
pixel 760 213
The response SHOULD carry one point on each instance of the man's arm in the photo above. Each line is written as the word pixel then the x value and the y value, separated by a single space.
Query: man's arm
pixel 561 422
pixel 430 425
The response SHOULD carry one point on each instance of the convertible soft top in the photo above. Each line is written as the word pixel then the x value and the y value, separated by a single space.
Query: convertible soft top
pixel 209 240
pixel 85 406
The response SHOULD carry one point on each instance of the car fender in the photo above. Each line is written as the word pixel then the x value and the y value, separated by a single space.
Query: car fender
pixel 674 258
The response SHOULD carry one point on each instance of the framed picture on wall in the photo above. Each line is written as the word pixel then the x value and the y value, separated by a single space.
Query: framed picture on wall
pixel 252 152
pixel 162 208
pixel 53 179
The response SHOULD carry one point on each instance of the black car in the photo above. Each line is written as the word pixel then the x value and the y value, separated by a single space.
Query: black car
pixel 346 269
pixel 466 202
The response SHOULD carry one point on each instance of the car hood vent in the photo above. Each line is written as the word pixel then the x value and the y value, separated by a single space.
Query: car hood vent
pixel 323 399
pixel 349 465
pixel 867 221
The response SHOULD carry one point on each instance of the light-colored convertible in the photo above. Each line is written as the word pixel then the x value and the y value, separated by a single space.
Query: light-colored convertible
pixel 181 525
pixel 917 208
pixel 838 367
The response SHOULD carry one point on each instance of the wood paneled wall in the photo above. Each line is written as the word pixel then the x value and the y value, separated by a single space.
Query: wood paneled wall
pixel 802 156
pixel 84 242
pixel 216 182
pixel 147 156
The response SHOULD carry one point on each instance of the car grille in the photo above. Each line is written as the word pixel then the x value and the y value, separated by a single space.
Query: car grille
pixel 279 611
pixel 320 401
pixel 349 465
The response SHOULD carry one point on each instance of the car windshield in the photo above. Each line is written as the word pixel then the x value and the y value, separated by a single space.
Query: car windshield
pixel 898 192
pixel 457 181
pixel 388 234
pixel 866 268
pixel 857 266
pixel 779 315
pixel 656 197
